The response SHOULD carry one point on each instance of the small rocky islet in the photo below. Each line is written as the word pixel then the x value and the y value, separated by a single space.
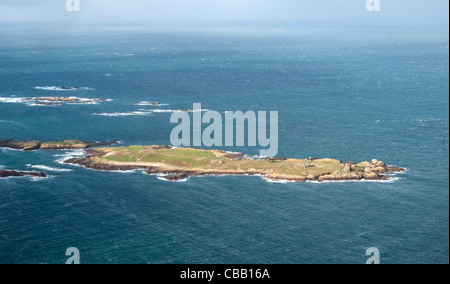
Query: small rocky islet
pixel 177 164
pixel 58 100
pixel 181 163
pixel 52 145
pixel 9 173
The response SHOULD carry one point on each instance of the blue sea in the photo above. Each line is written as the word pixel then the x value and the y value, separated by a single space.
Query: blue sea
pixel 348 92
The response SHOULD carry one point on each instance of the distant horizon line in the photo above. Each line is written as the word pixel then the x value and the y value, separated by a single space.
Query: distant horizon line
pixel 274 24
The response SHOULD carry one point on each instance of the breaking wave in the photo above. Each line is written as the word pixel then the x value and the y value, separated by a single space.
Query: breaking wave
pixel 146 103
pixel 51 101
pixel 47 168
pixel 132 113
pixel 55 88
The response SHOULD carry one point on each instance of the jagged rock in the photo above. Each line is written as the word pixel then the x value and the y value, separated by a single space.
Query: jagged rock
pixel 336 176
pixel 20 145
pixel 177 177
pixel 312 177
pixel 5 174
pixel 395 169
pixel 364 165
pixel 379 170
pixel 371 176
pixel 347 168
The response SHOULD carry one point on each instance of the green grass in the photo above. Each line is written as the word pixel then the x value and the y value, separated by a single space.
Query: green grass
pixel 185 158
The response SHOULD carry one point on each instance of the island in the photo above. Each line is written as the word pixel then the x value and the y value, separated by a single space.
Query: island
pixel 176 164
pixel 58 100
pixel 53 145
pixel 6 174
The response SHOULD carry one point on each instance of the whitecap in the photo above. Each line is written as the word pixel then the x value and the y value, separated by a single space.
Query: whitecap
pixel 133 113
pixel 43 105
pixel 55 88
pixel 163 110
pixel 181 180
pixel 12 100
pixel 69 155
pixel 47 101
pixel 147 103
pixel 32 178
pixel 47 168
pixel 39 178
pixel 277 181
pixel 390 180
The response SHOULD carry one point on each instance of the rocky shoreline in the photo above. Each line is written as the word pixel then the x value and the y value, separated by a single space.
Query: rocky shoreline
pixel 349 171
pixel 7 173
pixel 53 145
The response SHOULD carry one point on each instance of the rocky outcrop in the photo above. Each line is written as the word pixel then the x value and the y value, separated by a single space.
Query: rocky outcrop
pixel 94 164
pixel 340 176
pixel 73 145
pixel 5 174
pixel 55 145
pixel 176 177
pixel 20 145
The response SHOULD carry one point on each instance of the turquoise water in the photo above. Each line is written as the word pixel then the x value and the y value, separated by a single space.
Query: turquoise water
pixel 341 92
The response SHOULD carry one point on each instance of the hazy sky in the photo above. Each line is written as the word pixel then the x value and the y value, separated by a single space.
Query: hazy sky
pixel 221 11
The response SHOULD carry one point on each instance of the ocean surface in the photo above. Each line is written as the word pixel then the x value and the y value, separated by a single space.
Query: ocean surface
pixel 351 93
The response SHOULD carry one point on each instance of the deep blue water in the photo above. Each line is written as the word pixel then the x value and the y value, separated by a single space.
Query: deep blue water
pixel 341 92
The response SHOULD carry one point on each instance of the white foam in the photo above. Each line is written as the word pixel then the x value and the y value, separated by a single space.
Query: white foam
pixel 390 180
pixel 39 178
pixel 147 103
pixel 233 153
pixel 32 178
pixel 181 180
pixel 46 101
pixel 132 113
pixel 6 149
pixel 277 181
pixel 11 100
pixel 199 110
pixel 163 110
pixel 73 153
pixel 43 105
pixel 47 168
pixel 69 155
pixel 55 88
pixel 124 54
